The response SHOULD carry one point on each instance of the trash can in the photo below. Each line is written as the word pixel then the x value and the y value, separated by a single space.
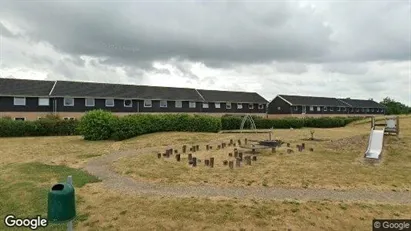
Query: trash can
pixel 61 203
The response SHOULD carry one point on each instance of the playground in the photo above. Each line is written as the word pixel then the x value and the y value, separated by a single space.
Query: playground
pixel 124 185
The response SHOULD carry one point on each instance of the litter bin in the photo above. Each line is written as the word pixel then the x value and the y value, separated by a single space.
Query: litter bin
pixel 61 203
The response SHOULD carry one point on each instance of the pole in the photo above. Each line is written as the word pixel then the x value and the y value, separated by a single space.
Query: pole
pixel 70 223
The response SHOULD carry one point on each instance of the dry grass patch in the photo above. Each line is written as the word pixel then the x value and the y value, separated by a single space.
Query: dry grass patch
pixel 112 211
pixel 337 163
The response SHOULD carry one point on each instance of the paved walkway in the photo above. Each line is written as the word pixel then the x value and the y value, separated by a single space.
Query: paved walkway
pixel 100 167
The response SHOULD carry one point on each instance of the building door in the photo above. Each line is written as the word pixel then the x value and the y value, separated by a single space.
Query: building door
pixel 304 110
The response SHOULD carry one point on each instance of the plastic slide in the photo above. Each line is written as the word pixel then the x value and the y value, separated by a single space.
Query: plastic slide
pixel 375 144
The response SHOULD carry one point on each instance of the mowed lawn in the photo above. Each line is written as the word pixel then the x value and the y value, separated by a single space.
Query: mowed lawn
pixel 337 162
pixel 30 166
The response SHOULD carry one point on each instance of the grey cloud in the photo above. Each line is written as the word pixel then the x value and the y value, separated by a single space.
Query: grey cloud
pixel 346 68
pixel 130 33
pixel 5 32
pixel 290 67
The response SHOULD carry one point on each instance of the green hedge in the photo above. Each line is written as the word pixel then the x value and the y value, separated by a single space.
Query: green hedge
pixel 43 127
pixel 102 125
pixel 234 122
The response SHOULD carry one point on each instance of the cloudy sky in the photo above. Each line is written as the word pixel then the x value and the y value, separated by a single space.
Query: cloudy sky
pixel 358 49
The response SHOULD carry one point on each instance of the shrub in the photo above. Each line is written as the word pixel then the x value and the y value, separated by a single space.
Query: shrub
pixel 43 127
pixel 97 125
pixel 135 125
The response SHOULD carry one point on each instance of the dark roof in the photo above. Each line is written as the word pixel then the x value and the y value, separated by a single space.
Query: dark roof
pixel 24 87
pixel 231 96
pixel 312 100
pixel 91 89
pixel 362 103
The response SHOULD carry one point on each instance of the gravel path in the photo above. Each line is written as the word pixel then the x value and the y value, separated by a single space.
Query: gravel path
pixel 100 167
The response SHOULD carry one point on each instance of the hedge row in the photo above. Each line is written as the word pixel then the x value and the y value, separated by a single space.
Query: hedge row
pixel 102 125
pixel 234 122
pixel 44 127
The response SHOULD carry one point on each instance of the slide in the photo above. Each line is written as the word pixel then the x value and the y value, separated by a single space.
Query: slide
pixel 375 144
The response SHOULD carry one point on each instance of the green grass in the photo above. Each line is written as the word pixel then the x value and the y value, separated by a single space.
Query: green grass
pixel 24 188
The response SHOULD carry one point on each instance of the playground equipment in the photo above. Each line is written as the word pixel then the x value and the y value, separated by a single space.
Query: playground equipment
pixel 249 118
pixel 376 140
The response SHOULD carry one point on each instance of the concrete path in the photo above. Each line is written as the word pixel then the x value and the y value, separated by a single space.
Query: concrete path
pixel 101 167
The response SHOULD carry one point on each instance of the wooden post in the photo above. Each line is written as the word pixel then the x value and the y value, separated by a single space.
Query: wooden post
pixel 254 158
pixel 253 150
pixel 303 145
pixel 235 145
pixel 272 150
pixel 158 155
pixel 175 151
pixel 191 149
pixel 311 149
pixel 239 142
pixel 218 147
pixel 184 148
pixel 178 157
pixel 198 147
pixel 231 164
pixel 207 162
pixel 211 147
pixel 207 147
pixel 237 163
pixel 171 151
pixel 225 162
pixel 212 162
pixel 245 141
pixel 289 151
pixel 190 157
pixel 248 160
pixel 222 145
pixel 235 154
pixel 288 145
pixel 240 156
pixel 230 154
pixel 194 148
pixel 194 161
pixel 231 141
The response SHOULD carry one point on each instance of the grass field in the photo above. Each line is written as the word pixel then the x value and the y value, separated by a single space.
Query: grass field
pixel 30 166
pixel 336 163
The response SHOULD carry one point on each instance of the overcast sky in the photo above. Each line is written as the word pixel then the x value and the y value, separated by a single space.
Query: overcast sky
pixel 357 49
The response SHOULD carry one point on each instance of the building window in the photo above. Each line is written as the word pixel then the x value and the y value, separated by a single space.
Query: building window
pixel 372 109
pixel 128 103
pixel 362 110
pixel 250 106
pixel 69 102
pixel 192 105
pixel 338 109
pixel 295 108
pixel 109 102
pixel 260 106
pixel 239 106
pixel 357 110
pixel 367 110
pixel 217 105
pixel 163 103
pixel 228 106
pixel 148 103
pixel 325 108
pixel 279 108
pixel 44 101
pixel 179 104
pixel 205 105
pixel 331 108
pixel 90 102
pixel 19 101
pixel 344 109
pixel 311 108
pixel 69 118
pixel 318 108
pixel 382 110
pixel 20 118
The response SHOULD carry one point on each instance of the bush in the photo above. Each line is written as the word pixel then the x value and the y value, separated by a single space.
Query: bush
pixel 234 122
pixel 43 127
pixel 97 125
pixel 135 125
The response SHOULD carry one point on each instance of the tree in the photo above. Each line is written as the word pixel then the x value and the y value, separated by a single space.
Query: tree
pixel 395 107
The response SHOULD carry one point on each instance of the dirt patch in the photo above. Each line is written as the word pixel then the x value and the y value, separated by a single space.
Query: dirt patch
pixel 348 144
